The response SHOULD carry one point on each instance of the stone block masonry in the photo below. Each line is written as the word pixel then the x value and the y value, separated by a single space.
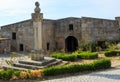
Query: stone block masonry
pixel 65 34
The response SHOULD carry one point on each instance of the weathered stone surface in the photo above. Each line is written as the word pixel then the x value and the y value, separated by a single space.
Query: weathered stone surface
pixel 24 34
pixel 37 57
pixel 53 33
pixel 100 29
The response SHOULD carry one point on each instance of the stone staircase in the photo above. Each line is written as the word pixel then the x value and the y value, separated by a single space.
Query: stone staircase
pixel 31 64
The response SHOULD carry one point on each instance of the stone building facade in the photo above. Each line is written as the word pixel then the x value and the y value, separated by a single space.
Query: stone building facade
pixel 66 34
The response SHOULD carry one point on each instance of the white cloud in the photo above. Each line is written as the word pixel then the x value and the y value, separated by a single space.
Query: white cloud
pixel 58 8
pixel 12 7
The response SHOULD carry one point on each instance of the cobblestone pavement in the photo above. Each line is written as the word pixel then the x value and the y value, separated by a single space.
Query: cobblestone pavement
pixel 110 75
pixel 4 57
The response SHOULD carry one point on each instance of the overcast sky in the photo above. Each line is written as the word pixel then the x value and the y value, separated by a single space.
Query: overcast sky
pixel 12 11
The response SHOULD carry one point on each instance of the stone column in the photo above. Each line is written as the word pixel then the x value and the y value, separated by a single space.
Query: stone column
pixel 37 18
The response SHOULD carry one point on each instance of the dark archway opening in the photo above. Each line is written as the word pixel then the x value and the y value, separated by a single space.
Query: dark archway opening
pixel 71 44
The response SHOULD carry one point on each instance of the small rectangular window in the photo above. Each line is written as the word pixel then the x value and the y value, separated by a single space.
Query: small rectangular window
pixel 70 26
pixel 48 45
pixel 14 36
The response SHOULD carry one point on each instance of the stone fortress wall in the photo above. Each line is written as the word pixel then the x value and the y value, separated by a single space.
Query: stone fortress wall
pixel 55 32
pixel 48 33
pixel 62 30
pixel 23 32
pixel 94 29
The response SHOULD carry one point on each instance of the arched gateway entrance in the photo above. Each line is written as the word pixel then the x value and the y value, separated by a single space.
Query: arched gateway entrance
pixel 71 44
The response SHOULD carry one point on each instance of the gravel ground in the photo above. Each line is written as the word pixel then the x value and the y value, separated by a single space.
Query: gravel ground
pixel 110 75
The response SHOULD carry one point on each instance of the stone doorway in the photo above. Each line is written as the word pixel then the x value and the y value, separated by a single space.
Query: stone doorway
pixel 21 47
pixel 71 44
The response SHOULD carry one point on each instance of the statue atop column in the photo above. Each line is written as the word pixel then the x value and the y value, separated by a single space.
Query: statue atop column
pixel 37 9
pixel 37 15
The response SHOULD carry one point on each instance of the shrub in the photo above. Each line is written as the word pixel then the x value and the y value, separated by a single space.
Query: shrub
pixel 14 74
pixel 74 56
pixel 111 45
pixel 112 53
pixel 63 56
pixel 66 69
pixel 88 46
pixel 99 64
pixel 23 75
pixel 6 74
pixel 17 73
pixel 102 64
pixel 35 74
pixel 9 74
pixel 88 55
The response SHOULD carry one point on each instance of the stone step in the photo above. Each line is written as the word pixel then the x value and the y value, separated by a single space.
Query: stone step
pixel 15 68
pixel 38 63
pixel 63 63
pixel 57 62
pixel 27 66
